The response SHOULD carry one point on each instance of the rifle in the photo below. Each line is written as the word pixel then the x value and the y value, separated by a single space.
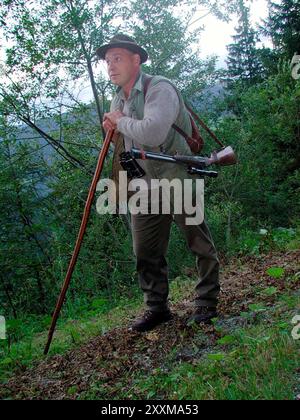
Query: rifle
pixel 195 164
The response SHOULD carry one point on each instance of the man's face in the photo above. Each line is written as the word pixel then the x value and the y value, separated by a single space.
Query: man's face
pixel 122 65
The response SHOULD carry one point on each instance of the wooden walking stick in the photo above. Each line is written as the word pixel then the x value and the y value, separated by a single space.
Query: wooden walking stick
pixel 86 213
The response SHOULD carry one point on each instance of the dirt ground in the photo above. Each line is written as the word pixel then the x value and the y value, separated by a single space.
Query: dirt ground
pixel 116 355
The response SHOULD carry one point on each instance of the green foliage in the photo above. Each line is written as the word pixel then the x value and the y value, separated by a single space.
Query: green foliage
pixel 166 38
pixel 283 26
pixel 226 340
pixel 262 191
pixel 216 357
pixel 276 272
pixel 243 58
pixel 257 307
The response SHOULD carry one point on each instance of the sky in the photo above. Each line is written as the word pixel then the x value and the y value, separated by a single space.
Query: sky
pixel 218 34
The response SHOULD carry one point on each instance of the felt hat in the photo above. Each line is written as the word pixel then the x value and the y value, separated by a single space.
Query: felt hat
pixel 123 41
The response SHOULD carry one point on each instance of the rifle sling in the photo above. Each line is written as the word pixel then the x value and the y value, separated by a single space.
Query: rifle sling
pixel 203 125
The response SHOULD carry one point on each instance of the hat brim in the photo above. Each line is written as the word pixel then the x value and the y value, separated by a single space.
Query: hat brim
pixel 128 46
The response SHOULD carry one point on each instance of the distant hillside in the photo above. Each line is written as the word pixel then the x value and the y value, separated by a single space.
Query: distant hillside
pixel 51 126
pixel 208 97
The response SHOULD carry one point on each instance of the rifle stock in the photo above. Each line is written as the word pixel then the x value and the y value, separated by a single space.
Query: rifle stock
pixel 224 157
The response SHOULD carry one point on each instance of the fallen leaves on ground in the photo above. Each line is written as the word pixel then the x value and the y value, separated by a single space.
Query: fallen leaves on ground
pixel 112 358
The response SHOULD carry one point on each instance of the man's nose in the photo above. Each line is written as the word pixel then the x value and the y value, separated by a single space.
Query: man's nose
pixel 110 66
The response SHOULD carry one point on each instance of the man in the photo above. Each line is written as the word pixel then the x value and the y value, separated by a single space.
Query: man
pixel 143 112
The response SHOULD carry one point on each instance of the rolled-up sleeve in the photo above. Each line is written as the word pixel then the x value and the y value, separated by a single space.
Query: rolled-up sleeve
pixel 160 112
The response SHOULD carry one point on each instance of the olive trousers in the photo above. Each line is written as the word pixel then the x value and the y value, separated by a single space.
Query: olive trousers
pixel 151 234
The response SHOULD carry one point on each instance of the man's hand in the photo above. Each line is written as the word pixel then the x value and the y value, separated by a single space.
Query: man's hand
pixel 111 120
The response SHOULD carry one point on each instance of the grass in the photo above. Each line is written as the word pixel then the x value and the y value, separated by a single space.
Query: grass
pixel 259 362
pixel 255 368
pixel 27 337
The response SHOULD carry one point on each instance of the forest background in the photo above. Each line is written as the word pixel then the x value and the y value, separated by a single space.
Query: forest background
pixel 50 140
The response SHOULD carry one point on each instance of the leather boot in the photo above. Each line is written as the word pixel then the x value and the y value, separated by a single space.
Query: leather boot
pixel 150 320
pixel 203 314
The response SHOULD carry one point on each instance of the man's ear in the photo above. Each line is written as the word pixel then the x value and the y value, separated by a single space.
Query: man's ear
pixel 137 59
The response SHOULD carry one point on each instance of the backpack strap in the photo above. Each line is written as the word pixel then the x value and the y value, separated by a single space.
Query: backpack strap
pixel 148 80
pixel 195 142
pixel 203 125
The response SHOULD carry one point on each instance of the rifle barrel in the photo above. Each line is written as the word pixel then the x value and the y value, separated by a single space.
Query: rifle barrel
pixel 141 154
pixel 199 162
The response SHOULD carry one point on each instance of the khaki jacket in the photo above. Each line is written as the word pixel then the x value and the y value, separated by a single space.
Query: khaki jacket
pixel 174 142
